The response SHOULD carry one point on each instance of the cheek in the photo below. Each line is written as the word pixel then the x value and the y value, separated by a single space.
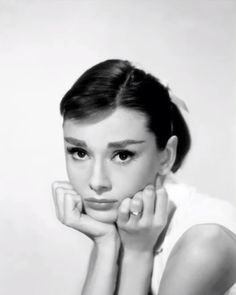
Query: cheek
pixel 126 181
pixel 146 174
pixel 135 178
pixel 77 175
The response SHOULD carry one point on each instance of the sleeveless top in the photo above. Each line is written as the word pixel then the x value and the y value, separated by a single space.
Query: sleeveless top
pixel 192 209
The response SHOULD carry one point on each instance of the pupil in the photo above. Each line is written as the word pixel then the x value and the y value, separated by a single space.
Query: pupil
pixel 81 154
pixel 123 156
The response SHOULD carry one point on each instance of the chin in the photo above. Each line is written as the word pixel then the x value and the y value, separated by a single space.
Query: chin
pixel 102 216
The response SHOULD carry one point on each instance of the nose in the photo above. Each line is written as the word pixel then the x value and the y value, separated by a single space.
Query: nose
pixel 99 180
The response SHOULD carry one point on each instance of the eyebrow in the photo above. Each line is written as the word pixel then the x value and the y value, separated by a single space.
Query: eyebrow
pixel 115 144
pixel 124 143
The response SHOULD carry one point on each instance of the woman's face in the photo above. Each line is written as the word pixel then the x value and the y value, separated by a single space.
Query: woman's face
pixel 110 159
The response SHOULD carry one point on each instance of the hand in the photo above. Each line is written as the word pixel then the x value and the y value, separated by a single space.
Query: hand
pixel 69 210
pixel 139 233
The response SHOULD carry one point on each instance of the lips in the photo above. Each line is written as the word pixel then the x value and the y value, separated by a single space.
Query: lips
pixel 100 204
pixel 94 200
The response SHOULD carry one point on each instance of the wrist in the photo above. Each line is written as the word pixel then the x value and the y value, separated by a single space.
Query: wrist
pixel 130 256
pixel 108 244
pixel 138 253
pixel 136 272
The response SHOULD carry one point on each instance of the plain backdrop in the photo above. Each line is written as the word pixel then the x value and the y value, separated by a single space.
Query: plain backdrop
pixel 44 47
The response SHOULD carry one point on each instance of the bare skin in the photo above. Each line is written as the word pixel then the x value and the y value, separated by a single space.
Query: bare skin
pixel 106 160
pixel 197 247
pixel 137 234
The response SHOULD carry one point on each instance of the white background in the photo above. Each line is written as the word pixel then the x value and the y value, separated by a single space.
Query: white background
pixel 44 47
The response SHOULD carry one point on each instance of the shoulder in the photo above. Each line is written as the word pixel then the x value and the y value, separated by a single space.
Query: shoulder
pixel 206 241
pixel 194 208
pixel 203 261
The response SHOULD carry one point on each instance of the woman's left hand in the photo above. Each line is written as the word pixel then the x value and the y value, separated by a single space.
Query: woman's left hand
pixel 141 219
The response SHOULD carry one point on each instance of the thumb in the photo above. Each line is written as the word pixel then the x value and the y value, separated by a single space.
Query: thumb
pixel 75 218
pixel 72 208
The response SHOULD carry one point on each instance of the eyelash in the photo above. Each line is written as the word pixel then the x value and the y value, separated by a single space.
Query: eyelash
pixel 128 153
pixel 73 151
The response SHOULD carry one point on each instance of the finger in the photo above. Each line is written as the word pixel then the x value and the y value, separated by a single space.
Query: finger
pixel 59 202
pixel 158 183
pixel 161 214
pixel 123 211
pixel 136 208
pixel 54 187
pixel 74 217
pixel 64 184
pixel 72 210
pixel 149 198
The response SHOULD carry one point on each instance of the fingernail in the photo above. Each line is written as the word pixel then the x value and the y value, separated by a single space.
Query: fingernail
pixel 160 190
pixel 150 187
pixel 136 202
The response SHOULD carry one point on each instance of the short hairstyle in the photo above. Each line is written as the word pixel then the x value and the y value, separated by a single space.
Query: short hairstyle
pixel 117 83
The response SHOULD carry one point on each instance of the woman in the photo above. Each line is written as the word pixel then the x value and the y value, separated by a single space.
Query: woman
pixel 124 137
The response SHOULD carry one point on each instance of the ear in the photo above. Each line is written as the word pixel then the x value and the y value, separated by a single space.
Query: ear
pixel 168 155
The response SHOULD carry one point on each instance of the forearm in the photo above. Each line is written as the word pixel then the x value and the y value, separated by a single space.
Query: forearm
pixel 135 273
pixel 102 272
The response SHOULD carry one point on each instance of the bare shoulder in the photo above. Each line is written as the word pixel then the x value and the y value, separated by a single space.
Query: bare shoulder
pixel 203 261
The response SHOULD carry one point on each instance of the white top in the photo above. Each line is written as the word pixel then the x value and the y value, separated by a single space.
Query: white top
pixel 192 208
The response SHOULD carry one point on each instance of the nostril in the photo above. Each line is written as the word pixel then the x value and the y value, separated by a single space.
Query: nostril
pixel 99 179
pixel 99 189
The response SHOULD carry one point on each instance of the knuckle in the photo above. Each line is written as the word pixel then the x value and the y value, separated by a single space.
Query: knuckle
pixel 54 185
pixel 76 198
pixel 123 211
pixel 137 196
pixel 59 190
pixel 162 192
pixel 149 195
pixel 135 204
pixel 53 188
pixel 67 195
pixel 146 224
pixel 149 189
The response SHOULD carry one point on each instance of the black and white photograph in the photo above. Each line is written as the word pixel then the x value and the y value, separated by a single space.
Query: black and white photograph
pixel 118 147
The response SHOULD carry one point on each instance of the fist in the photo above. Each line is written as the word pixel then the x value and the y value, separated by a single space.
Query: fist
pixel 142 219
pixel 69 210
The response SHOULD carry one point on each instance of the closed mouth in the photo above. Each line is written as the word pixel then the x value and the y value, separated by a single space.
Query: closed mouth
pixel 94 200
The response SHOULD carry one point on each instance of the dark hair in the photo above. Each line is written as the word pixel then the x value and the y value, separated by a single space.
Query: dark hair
pixel 117 83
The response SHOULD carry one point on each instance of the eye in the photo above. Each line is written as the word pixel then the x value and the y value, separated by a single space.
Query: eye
pixel 77 153
pixel 124 156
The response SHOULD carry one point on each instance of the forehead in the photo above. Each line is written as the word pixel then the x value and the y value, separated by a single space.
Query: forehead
pixel 119 125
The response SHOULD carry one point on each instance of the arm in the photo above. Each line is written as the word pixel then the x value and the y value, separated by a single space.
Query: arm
pixel 102 272
pixel 139 234
pixel 136 271
pixel 202 262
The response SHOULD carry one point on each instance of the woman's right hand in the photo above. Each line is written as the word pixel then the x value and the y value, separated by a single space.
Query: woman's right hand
pixel 69 210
